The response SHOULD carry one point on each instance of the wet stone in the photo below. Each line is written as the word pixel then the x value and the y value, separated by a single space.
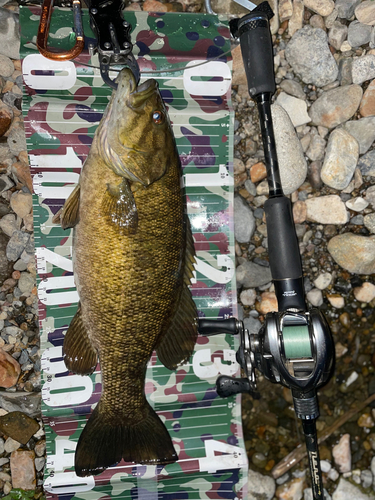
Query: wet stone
pixel 18 426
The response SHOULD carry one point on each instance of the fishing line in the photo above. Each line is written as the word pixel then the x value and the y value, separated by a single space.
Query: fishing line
pixel 160 71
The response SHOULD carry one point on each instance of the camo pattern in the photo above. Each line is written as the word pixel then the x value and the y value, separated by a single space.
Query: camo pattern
pixel 63 104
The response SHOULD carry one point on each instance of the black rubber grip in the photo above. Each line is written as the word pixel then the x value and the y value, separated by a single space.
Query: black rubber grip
pixel 216 326
pixel 229 386
pixel 257 53
pixel 283 248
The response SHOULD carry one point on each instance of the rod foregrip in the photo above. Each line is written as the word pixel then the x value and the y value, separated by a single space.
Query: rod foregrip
pixel 283 248
pixel 257 53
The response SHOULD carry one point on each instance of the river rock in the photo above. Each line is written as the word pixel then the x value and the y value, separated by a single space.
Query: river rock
pixel 26 283
pixel 342 455
pixel 292 490
pixel 369 222
pixel 321 7
pixel 248 297
pixel 260 486
pixel 18 426
pixel 340 160
pixel 365 293
pixel 296 21
pixel 363 68
pixel 366 163
pixel 365 12
pixel 8 224
pixel 285 10
pixel 345 8
pixel 292 162
pixel 296 108
pixel 11 445
pixel 363 130
pixel 316 148
pixel 353 252
pixel 294 88
pixel 25 402
pixel 315 297
pixel 323 281
pixel 309 55
pixel 9 370
pixel 244 221
pixel 17 245
pixel 367 106
pixel 337 34
pixel 23 469
pixel 252 275
pixel 347 491
pixel 6 66
pixel 21 203
pixel 9 34
pixel 359 34
pixel 328 209
pixel 336 106
pixel 357 204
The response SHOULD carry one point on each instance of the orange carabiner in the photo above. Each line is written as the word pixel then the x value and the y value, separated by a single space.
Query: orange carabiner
pixel 43 31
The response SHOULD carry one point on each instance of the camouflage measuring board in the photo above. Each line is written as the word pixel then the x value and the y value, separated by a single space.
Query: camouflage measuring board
pixel 63 104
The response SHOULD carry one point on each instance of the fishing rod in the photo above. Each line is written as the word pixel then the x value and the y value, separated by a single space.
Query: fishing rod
pixel 294 346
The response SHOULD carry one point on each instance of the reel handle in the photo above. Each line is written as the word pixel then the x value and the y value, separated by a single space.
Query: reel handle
pixel 209 327
pixel 229 386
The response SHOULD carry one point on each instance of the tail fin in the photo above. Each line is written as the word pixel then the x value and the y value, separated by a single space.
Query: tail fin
pixel 104 443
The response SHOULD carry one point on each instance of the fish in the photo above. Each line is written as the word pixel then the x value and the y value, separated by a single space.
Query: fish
pixel 133 259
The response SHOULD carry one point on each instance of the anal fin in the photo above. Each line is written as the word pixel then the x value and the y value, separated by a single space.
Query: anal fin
pixel 119 207
pixel 79 355
pixel 68 215
pixel 177 344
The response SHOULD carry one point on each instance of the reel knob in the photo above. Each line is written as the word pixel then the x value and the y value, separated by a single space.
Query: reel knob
pixel 229 386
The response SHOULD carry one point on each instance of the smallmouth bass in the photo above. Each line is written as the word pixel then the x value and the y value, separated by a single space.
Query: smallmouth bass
pixel 133 258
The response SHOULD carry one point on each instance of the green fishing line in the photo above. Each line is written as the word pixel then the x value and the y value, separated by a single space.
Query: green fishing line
pixel 296 341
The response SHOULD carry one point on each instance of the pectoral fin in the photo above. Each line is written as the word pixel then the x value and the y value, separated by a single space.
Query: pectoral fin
pixel 68 215
pixel 79 355
pixel 119 207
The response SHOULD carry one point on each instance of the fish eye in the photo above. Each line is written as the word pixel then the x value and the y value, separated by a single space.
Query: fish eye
pixel 157 116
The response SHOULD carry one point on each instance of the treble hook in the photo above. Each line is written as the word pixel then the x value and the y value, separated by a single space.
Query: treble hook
pixel 43 31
